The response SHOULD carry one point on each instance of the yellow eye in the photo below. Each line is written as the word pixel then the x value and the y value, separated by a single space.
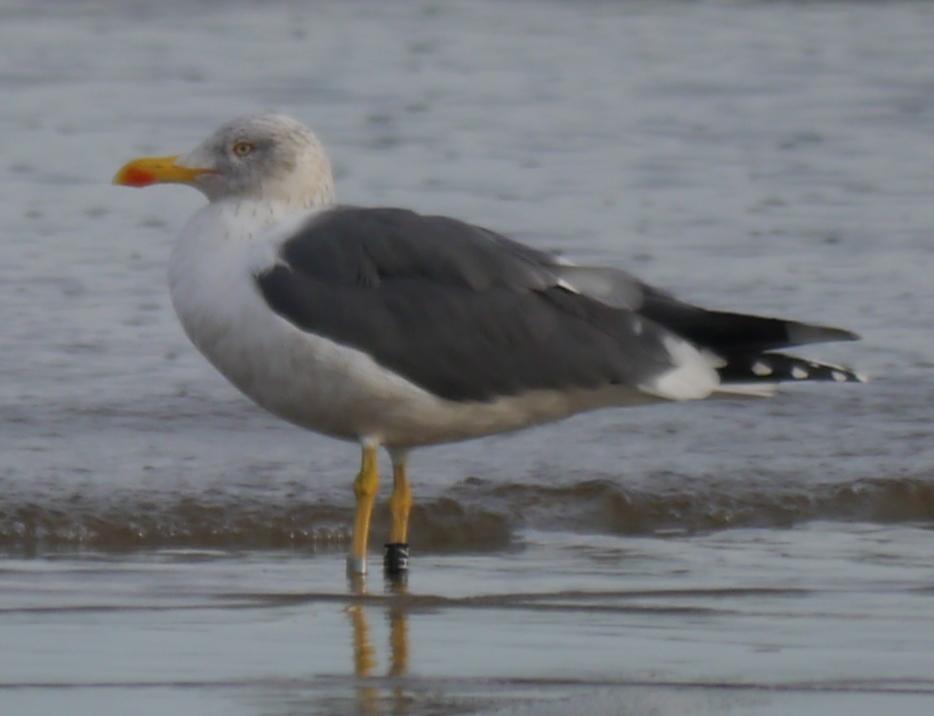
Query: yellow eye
pixel 241 149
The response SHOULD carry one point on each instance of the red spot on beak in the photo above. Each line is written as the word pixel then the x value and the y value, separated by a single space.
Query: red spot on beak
pixel 138 177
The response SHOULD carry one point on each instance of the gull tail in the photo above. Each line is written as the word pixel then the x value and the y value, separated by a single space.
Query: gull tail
pixel 742 348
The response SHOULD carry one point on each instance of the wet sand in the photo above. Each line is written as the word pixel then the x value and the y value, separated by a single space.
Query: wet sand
pixel 168 548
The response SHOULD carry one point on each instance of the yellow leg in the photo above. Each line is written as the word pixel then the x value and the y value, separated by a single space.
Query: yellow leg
pixel 400 504
pixel 364 488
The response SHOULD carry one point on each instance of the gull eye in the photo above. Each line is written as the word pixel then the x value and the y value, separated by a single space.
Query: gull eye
pixel 241 149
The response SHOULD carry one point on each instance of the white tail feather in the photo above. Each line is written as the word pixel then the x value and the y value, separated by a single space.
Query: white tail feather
pixel 746 390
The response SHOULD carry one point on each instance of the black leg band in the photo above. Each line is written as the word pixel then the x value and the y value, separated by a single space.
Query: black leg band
pixel 396 558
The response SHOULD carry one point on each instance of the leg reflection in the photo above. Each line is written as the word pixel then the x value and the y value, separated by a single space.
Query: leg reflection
pixel 398 640
pixel 398 628
pixel 364 655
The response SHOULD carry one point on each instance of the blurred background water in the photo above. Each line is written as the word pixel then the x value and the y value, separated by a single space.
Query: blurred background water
pixel 774 157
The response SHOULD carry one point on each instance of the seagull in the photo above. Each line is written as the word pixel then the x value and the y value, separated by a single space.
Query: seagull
pixel 397 330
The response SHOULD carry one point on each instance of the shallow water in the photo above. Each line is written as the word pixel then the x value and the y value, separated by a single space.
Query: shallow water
pixel 169 545
pixel 568 624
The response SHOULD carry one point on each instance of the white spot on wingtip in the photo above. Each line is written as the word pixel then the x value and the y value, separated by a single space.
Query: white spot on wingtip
pixel 566 286
pixel 799 373
pixel 637 326
pixel 761 368
pixel 838 376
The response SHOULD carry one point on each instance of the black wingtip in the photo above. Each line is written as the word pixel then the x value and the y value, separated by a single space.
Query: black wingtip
pixel 750 369
pixel 801 333
pixel 847 335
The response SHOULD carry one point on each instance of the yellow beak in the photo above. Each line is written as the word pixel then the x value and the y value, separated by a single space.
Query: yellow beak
pixel 156 170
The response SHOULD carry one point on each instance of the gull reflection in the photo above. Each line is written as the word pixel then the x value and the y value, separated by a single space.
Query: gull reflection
pixel 369 695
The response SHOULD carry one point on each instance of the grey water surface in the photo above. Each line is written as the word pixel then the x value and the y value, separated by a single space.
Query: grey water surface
pixel 168 547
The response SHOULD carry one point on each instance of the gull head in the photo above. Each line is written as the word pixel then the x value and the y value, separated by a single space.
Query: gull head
pixel 262 157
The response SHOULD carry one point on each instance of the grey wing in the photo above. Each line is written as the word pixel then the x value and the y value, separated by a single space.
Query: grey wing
pixel 464 313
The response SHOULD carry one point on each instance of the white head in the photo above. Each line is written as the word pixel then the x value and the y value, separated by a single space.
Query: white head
pixel 264 157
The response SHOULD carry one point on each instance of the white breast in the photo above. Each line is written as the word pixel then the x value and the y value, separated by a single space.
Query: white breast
pixel 300 377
